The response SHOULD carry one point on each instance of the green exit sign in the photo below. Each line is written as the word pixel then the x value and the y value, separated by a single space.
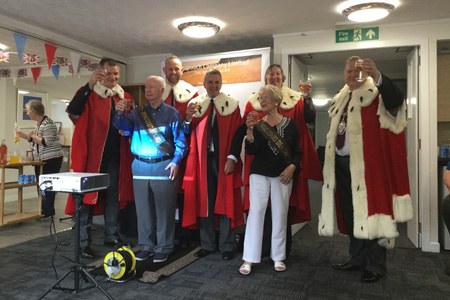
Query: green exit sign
pixel 357 35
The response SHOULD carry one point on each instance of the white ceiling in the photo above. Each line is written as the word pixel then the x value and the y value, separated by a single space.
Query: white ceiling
pixel 123 29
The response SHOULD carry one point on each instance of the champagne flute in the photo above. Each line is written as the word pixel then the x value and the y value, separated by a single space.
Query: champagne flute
pixel 129 104
pixel 253 115
pixel 358 66
pixel 302 84
pixel 100 67
pixel 197 107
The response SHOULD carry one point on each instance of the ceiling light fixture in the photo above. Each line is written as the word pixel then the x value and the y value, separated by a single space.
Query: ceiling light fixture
pixel 366 10
pixel 198 27
pixel 321 102
pixel 22 92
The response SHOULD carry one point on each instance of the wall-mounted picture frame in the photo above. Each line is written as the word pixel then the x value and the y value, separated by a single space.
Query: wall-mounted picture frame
pixel 58 126
pixel 23 97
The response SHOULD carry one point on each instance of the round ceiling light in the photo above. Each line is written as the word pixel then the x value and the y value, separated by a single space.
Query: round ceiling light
pixel 198 27
pixel 321 102
pixel 366 11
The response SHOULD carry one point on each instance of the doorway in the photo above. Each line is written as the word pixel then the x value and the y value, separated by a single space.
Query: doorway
pixel 325 72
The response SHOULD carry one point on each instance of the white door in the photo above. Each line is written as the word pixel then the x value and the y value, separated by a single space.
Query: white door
pixel 412 140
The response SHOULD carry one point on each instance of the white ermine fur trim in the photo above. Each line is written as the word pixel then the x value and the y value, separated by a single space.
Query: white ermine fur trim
pixel 254 101
pixel 402 207
pixel 365 227
pixel 386 243
pixel 225 104
pixel 182 91
pixel 387 121
pixel 290 99
pixel 104 92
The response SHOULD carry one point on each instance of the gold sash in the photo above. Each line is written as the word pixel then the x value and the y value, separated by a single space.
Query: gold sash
pixel 153 131
pixel 276 140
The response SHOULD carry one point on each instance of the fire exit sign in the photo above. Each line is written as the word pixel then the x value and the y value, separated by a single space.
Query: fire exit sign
pixel 357 35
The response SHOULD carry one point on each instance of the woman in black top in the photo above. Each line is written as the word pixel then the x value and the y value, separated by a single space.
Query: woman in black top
pixel 277 156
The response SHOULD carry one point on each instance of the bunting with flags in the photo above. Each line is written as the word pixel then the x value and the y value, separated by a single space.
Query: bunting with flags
pixel 5 73
pixel 55 71
pixel 36 73
pixel 4 57
pixel 22 73
pixel 84 63
pixel 50 50
pixel 75 57
pixel 14 74
pixel 20 44
pixel 60 61
pixel 31 59
pixel 93 66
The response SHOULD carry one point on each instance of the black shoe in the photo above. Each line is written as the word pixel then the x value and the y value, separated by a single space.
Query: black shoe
pixel 45 218
pixel 114 242
pixel 87 252
pixel 345 267
pixel 227 255
pixel 369 276
pixel 202 253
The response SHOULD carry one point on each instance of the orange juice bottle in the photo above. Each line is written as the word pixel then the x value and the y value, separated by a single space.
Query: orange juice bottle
pixel 3 153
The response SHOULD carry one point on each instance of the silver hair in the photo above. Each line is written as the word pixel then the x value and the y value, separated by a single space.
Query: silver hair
pixel 212 71
pixel 159 79
pixel 36 106
pixel 277 96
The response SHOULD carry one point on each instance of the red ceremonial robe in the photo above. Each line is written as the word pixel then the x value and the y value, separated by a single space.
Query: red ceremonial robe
pixel 181 94
pixel 291 107
pixel 88 141
pixel 228 198
pixel 378 167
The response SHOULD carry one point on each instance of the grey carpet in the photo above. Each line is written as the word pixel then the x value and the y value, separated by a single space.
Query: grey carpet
pixel 26 273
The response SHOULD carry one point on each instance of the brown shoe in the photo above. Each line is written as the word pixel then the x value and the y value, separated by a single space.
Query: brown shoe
pixel 87 252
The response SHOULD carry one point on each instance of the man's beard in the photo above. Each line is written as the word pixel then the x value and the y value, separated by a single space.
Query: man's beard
pixel 173 79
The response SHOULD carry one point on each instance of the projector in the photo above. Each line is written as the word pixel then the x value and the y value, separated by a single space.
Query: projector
pixel 71 182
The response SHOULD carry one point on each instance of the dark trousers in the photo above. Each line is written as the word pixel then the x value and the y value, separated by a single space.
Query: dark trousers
pixel 51 166
pixel 110 206
pixel 446 211
pixel 183 235
pixel 365 253
pixel 227 241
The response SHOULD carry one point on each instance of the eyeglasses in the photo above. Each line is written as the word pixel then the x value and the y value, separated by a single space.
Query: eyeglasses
pixel 265 98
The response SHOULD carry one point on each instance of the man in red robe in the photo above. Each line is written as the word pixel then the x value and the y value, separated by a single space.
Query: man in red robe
pixel 97 147
pixel 178 93
pixel 212 182
pixel 366 186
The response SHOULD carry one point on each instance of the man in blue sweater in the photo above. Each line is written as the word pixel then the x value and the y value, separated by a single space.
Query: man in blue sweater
pixel 158 145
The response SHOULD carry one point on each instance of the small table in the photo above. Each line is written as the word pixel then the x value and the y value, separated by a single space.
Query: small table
pixel 19 215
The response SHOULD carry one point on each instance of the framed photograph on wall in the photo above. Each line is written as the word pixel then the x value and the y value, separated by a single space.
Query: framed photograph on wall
pixel 58 126
pixel 23 97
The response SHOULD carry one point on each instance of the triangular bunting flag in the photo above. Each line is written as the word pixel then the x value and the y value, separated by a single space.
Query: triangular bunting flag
pixel 20 44
pixel 55 71
pixel 36 72
pixel 50 50
pixel 14 74
pixel 75 61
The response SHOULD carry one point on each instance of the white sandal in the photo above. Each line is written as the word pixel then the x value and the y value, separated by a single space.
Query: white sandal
pixel 245 269
pixel 279 266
